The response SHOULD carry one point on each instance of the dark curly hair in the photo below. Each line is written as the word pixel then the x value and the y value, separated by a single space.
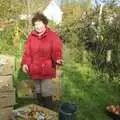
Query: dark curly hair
pixel 39 17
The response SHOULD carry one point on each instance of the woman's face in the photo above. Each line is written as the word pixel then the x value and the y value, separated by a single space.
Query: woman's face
pixel 39 26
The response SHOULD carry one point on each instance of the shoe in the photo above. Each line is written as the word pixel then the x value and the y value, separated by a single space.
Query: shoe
pixel 48 103
pixel 40 99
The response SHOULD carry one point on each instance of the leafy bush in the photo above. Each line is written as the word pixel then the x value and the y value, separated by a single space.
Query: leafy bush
pixel 95 35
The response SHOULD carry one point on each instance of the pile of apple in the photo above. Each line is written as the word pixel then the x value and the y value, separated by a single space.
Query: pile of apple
pixel 34 113
pixel 115 109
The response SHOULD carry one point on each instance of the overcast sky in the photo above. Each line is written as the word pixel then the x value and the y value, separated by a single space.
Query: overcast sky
pixel 93 1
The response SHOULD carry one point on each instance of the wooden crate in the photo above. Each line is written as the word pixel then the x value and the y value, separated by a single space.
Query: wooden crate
pixel 7 65
pixel 6 113
pixel 6 83
pixel 7 99
pixel 19 112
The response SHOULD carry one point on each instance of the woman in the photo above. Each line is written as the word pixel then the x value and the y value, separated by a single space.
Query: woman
pixel 43 53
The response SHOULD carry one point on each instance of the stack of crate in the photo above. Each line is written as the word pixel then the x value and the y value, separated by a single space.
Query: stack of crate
pixel 7 92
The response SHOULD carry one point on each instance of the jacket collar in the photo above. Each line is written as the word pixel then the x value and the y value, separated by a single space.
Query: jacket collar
pixel 34 33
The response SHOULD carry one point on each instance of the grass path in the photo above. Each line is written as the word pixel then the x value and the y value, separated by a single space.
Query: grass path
pixel 90 89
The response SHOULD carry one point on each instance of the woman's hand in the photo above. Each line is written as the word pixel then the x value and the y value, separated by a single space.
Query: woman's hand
pixel 59 62
pixel 25 68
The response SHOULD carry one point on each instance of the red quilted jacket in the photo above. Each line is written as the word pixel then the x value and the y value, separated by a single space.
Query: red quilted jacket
pixel 41 54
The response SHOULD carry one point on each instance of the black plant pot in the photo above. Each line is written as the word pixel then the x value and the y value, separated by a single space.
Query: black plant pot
pixel 66 111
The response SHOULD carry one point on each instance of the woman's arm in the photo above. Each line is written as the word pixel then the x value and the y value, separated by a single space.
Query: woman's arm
pixel 57 50
pixel 26 58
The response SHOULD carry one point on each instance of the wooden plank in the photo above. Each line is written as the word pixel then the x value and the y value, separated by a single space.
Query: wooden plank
pixel 7 99
pixel 6 83
pixel 5 114
pixel 57 88
pixel 7 64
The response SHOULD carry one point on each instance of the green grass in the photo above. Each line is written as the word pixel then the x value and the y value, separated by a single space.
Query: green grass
pixel 91 90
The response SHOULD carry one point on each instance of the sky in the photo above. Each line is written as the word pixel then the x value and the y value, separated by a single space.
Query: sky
pixel 101 1
pixel 58 1
pixel 93 1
